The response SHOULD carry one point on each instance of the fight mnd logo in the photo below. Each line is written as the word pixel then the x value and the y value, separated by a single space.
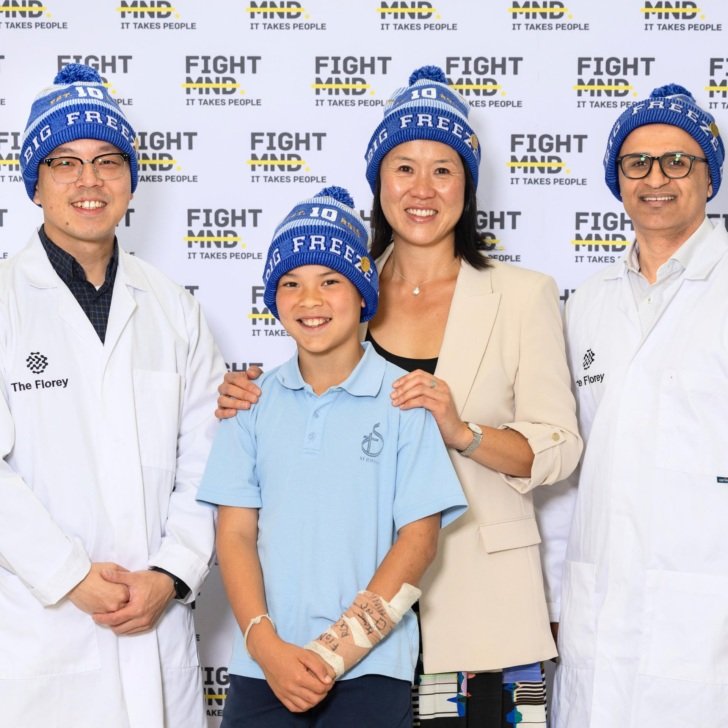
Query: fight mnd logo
pixel 481 79
pixel 262 321
pixel 159 155
pixel 28 15
pixel 601 237
pixel 10 156
pixel 285 156
pixel 282 15
pixel 676 15
pixel 542 158
pixel 346 80
pixel 217 80
pixel 548 15
pixel 609 81
pixel 216 233
pixel 151 15
pixel 411 15
pixel 717 86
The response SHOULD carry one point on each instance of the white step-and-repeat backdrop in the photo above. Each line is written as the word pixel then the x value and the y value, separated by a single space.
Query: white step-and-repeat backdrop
pixel 245 106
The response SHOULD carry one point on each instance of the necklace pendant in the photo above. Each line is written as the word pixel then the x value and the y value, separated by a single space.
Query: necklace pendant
pixel 416 291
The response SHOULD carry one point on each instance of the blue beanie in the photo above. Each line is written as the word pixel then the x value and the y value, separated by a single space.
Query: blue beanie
pixel 77 106
pixel 674 105
pixel 326 231
pixel 427 109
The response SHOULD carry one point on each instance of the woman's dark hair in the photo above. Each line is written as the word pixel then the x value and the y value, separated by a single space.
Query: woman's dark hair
pixel 468 241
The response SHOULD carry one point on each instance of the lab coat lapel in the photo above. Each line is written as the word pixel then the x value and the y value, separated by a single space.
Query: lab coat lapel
pixel 122 309
pixel 41 275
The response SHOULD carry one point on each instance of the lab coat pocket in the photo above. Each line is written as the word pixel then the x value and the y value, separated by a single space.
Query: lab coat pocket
pixel 577 632
pixel 692 422
pixel 157 397
pixel 686 627
pixel 177 638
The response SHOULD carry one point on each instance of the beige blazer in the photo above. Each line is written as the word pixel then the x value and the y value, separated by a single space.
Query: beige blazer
pixel 483 605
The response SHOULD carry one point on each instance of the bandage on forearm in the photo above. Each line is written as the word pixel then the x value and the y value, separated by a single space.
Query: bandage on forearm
pixel 368 620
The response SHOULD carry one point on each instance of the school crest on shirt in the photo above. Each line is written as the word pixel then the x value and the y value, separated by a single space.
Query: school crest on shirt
pixel 372 443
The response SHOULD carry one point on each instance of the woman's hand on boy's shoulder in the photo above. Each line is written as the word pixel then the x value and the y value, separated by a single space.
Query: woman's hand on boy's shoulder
pixel 299 678
pixel 237 392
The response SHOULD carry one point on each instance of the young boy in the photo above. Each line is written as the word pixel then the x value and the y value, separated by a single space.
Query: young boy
pixel 330 499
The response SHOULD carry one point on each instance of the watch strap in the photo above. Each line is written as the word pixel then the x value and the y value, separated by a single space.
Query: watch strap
pixel 477 439
pixel 181 590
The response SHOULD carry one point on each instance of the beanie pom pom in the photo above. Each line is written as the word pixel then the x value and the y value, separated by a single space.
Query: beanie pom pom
pixel 75 72
pixel 428 73
pixel 671 89
pixel 340 194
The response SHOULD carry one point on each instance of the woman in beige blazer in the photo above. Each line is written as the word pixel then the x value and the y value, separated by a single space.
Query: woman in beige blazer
pixel 482 342
pixel 484 346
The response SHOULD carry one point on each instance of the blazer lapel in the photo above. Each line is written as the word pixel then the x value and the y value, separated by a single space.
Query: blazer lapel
pixel 473 309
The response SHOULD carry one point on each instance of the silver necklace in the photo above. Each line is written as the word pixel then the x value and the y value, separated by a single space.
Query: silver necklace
pixel 416 287
pixel 416 290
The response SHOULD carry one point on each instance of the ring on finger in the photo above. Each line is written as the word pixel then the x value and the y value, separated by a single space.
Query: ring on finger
pixel 433 384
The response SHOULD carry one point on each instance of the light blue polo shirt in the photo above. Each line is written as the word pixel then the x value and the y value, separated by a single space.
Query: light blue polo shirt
pixel 335 477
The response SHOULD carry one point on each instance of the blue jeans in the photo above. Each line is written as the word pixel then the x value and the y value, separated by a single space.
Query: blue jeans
pixel 370 701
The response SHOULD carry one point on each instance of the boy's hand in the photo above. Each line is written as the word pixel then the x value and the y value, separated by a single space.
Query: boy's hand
pixel 299 678
pixel 237 392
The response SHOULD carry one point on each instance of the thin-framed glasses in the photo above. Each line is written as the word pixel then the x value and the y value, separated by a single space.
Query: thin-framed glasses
pixel 674 165
pixel 107 167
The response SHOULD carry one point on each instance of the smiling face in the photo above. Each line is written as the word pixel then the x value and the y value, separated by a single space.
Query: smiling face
pixel 423 192
pixel 88 210
pixel 320 308
pixel 659 206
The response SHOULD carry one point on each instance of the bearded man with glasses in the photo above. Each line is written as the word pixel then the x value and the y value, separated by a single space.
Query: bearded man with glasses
pixel 107 384
pixel 643 639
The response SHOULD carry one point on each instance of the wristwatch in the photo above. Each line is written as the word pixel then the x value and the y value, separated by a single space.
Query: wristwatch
pixel 181 590
pixel 477 437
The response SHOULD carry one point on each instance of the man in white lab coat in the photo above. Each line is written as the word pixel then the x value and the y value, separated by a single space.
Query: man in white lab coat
pixel 644 620
pixel 107 387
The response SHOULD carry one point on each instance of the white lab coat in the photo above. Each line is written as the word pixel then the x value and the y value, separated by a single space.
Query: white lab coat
pixel 103 446
pixel 644 622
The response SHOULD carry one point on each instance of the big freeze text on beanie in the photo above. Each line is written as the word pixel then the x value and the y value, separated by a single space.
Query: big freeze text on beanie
pixel 426 109
pixel 674 105
pixel 76 106
pixel 323 230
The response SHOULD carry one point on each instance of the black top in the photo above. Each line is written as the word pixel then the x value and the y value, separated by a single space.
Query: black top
pixel 427 365
pixel 96 304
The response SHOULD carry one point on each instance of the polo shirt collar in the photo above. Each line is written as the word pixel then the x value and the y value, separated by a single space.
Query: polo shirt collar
pixel 364 381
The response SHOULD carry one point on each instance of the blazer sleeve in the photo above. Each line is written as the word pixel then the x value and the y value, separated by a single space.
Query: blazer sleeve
pixel 545 411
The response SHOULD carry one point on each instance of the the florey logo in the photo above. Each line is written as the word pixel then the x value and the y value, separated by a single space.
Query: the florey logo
pixel 589 357
pixel 36 362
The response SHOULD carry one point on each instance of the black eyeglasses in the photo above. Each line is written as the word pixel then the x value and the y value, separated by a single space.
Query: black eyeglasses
pixel 674 165
pixel 69 169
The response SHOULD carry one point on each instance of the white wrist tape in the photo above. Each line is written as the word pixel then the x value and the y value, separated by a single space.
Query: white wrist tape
pixel 368 620
pixel 252 623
